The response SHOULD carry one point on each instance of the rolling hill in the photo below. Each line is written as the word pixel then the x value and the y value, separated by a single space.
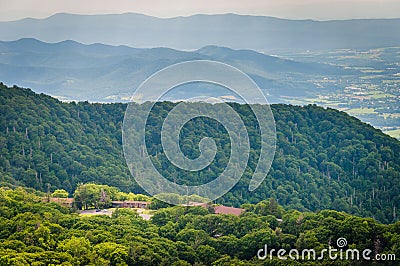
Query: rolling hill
pixel 73 71
pixel 325 158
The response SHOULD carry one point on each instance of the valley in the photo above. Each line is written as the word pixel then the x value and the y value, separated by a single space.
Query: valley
pixel 363 83
pixel 183 136
pixel 373 95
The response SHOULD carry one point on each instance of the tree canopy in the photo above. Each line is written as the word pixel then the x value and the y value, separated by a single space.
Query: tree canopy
pixel 35 232
pixel 325 159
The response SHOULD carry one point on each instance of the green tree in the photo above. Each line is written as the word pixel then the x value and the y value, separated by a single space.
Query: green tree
pixel 60 193
pixel 78 247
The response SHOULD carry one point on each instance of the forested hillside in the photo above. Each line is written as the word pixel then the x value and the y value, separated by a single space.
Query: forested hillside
pixel 33 232
pixel 325 159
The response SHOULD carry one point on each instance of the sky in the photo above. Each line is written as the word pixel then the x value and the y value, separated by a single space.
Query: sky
pixel 293 9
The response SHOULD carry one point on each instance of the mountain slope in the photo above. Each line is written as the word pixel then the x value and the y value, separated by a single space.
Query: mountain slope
pixel 70 70
pixel 193 32
pixel 325 159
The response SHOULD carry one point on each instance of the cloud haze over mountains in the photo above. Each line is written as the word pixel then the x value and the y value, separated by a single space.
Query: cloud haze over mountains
pixel 71 70
pixel 193 32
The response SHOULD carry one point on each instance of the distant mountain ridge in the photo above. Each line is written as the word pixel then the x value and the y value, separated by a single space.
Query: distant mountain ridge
pixel 98 72
pixel 193 32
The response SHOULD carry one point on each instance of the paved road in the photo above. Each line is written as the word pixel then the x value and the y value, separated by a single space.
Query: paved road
pixel 145 216
pixel 94 212
pixel 110 212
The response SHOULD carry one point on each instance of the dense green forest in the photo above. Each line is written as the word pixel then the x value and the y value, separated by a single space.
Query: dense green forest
pixel 325 159
pixel 34 232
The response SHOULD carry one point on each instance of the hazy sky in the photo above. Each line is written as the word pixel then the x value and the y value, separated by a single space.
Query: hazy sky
pixel 297 9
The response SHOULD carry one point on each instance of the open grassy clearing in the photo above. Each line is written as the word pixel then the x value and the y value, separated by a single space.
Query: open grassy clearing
pixel 372 77
pixel 361 111
pixel 372 71
pixel 391 116
pixel 379 94
pixel 393 133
